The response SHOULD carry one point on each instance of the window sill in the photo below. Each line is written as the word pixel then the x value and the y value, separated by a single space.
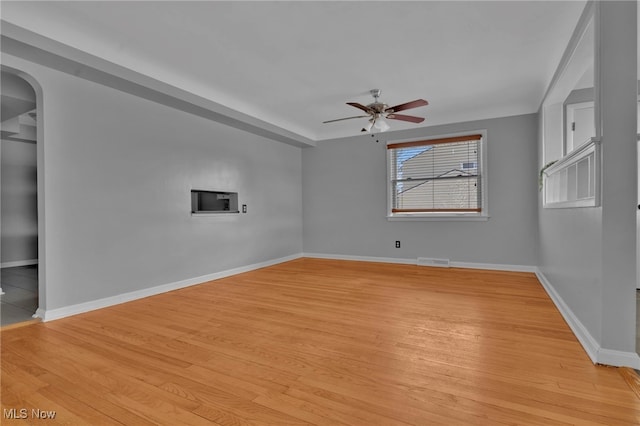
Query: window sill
pixel 436 218
pixel 220 213
pixel 587 202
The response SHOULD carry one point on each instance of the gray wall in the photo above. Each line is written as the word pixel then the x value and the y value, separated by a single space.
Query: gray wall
pixel 116 180
pixel 345 201
pixel 588 255
pixel 19 201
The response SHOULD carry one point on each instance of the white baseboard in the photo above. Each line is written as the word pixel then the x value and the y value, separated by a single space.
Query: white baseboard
pixel 585 338
pixel 54 314
pixel 494 267
pixel 453 264
pixel 618 358
pixel 360 258
pixel 19 263
pixel 591 346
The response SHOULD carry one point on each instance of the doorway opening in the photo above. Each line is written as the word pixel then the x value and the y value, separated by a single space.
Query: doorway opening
pixel 19 260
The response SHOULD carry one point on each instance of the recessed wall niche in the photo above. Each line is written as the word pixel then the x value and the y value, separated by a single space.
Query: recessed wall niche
pixel 203 202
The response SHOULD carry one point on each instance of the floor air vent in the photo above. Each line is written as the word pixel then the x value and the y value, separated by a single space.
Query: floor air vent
pixel 428 261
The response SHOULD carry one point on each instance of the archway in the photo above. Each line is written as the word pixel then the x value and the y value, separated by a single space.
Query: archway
pixel 21 186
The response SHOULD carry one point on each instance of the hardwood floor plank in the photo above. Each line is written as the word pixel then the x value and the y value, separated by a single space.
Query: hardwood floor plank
pixel 101 401
pixel 303 410
pixel 359 412
pixel 633 380
pixel 321 342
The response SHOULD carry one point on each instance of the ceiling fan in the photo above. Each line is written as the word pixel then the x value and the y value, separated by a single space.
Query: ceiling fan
pixel 378 111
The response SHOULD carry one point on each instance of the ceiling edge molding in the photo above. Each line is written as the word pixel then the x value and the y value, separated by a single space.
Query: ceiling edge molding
pixel 33 47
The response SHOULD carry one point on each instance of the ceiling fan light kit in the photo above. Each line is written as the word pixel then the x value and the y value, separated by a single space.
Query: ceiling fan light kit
pixel 381 125
pixel 379 111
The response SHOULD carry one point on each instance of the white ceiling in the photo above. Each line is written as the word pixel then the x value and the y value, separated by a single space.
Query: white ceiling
pixel 295 64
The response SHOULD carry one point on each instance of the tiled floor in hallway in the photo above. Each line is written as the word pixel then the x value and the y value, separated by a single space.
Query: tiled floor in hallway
pixel 20 301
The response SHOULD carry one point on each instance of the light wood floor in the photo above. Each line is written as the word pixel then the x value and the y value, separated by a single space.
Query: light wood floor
pixel 319 342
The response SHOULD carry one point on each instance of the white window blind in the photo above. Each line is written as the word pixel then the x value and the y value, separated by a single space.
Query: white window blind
pixel 436 175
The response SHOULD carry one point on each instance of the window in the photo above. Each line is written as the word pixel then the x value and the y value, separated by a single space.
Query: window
pixel 437 177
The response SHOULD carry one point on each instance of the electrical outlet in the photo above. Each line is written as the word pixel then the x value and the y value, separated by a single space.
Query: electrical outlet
pixel 397 243
pixel 244 208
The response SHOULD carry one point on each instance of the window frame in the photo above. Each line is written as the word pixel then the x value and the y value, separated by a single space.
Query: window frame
pixel 482 215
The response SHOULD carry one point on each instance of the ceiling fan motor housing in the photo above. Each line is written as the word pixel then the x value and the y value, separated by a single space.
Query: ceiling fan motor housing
pixel 378 107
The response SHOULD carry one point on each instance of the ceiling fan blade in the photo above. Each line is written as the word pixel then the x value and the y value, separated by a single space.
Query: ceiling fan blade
pixel 347 118
pixel 410 118
pixel 413 104
pixel 362 107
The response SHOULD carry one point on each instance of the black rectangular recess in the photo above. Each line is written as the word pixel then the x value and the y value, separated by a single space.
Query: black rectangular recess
pixel 213 201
